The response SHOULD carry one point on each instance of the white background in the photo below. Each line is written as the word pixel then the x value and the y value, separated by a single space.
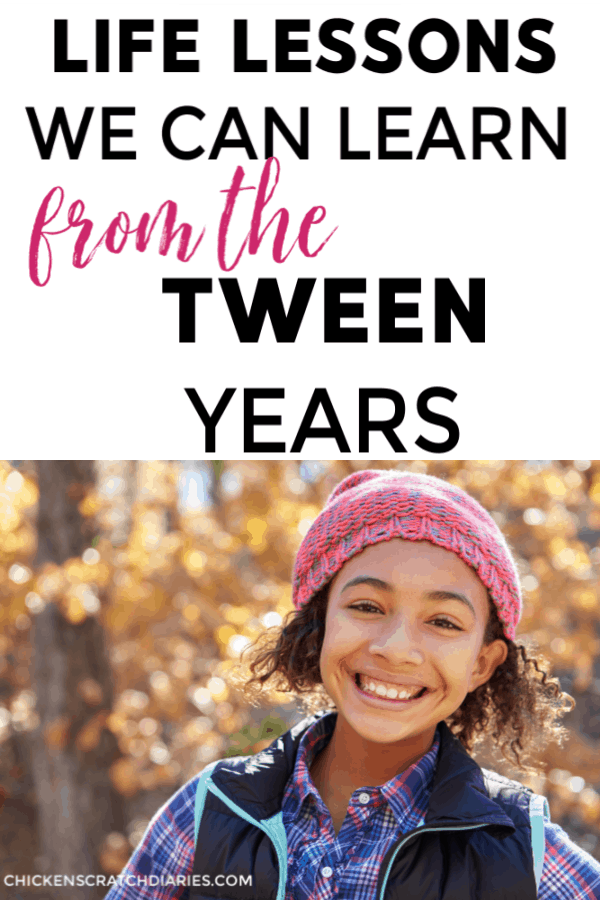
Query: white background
pixel 91 365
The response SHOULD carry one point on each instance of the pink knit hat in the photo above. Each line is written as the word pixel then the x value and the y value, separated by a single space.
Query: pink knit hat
pixel 372 506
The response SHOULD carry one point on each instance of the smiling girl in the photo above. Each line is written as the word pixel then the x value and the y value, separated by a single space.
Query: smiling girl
pixel 403 646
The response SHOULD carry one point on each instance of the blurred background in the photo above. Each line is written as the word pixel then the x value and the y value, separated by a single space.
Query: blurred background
pixel 129 589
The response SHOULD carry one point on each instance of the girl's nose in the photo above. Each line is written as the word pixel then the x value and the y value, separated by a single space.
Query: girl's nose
pixel 397 643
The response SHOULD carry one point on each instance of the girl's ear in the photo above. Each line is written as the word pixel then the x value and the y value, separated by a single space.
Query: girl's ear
pixel 490 657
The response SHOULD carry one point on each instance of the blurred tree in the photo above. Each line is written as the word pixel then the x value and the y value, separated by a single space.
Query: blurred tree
pixel 71 750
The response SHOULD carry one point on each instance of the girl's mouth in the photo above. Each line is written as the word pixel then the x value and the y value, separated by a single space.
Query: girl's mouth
pixel 397 695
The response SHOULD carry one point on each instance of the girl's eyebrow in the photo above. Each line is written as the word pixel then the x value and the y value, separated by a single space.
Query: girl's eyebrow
pixel 430 595
pixel 369 580
pixel 452 595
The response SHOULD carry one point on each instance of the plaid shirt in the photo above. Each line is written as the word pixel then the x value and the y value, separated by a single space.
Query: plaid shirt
pixel 353 856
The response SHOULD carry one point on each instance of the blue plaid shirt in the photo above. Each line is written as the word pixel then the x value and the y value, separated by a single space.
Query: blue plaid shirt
pixel 323 866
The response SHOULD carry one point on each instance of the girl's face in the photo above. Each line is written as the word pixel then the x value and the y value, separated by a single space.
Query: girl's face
pixel 403 641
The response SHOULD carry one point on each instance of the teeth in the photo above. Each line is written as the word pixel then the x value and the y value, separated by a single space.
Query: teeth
pixel 390 693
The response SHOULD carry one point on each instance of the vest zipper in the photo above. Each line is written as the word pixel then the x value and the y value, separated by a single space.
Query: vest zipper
pixel 409 837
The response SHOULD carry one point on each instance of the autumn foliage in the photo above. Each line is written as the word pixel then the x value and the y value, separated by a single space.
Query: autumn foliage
pixel 190 562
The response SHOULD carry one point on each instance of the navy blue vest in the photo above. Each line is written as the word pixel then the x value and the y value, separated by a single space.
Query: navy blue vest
pixel 475 843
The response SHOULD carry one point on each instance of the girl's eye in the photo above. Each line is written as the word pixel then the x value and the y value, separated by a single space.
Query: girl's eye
pixel 445 623
pixel 365 606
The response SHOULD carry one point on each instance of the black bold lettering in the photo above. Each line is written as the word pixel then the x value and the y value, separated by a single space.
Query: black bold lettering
pixel 544 50
pixel 383 132
pixel 102 45
pixel 170 145
pixel 496 51
pixel 345 51
pixel 232 116
pixel 62 63
pixel 436 419
pixel 284 45
pixel 172 45
pixel 210 420
pixel 187 288
pixel 108 132
pixel 335 310
pixel 319 398
pixel 557 147
pixel 493 137
pixel 391 51
pixel 241 63
pixel 274 120
pixel 128 46
pixel 345 152
pixel 59 120
pixel 251 420
pixel 471 318
pixel 441 116
pixel 267 301
pixel 448 58
pixel 389 310
pixel 386 426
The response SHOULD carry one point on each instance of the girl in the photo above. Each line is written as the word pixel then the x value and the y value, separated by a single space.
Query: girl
pixel 407 600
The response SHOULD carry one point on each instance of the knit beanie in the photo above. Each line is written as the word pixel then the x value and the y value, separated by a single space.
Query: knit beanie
pixel 378 505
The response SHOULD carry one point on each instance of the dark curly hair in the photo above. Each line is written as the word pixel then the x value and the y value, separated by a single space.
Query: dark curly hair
pixel 516 712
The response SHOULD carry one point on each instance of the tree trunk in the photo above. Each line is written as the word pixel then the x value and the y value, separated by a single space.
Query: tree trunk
pixel 77 805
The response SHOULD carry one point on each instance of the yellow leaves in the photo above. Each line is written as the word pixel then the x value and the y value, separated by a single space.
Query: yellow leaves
pixel 114 853
pixel 195 562
pixel 74 610
pixel 237 615
pixel 160 684
pixel 285 601
pixel 19 574
pixel 191 613
pixel 194 730
pixel 23 490
pixel 256 529
pixel 586 599
pixel 90 691
pixel 554 485
pixel 229 724
pixel 20 542
pixel 156 482
pixel 92 504
pixel 519 489
pixel 223 634
pixel 124 774
pixel 115 723
pixel 88 737
pixel 589 805
pixel 56 734
pixel 10 517
pixel 181 669
pixel 285 511
pixel 218 689
pixel 17 494
pixel 594 491
pixel 224 541
pixel 50 581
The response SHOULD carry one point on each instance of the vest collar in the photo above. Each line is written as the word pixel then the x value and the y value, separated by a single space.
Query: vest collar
pixel 458 792
pixel 458 795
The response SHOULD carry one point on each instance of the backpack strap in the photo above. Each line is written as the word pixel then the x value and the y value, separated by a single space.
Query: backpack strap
pixel 201 789
pixel 538 808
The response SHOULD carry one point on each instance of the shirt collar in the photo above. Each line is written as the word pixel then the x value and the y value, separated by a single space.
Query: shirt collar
pixel 402 792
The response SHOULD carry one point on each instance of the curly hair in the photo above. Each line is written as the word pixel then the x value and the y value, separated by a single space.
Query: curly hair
pixel 516 712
